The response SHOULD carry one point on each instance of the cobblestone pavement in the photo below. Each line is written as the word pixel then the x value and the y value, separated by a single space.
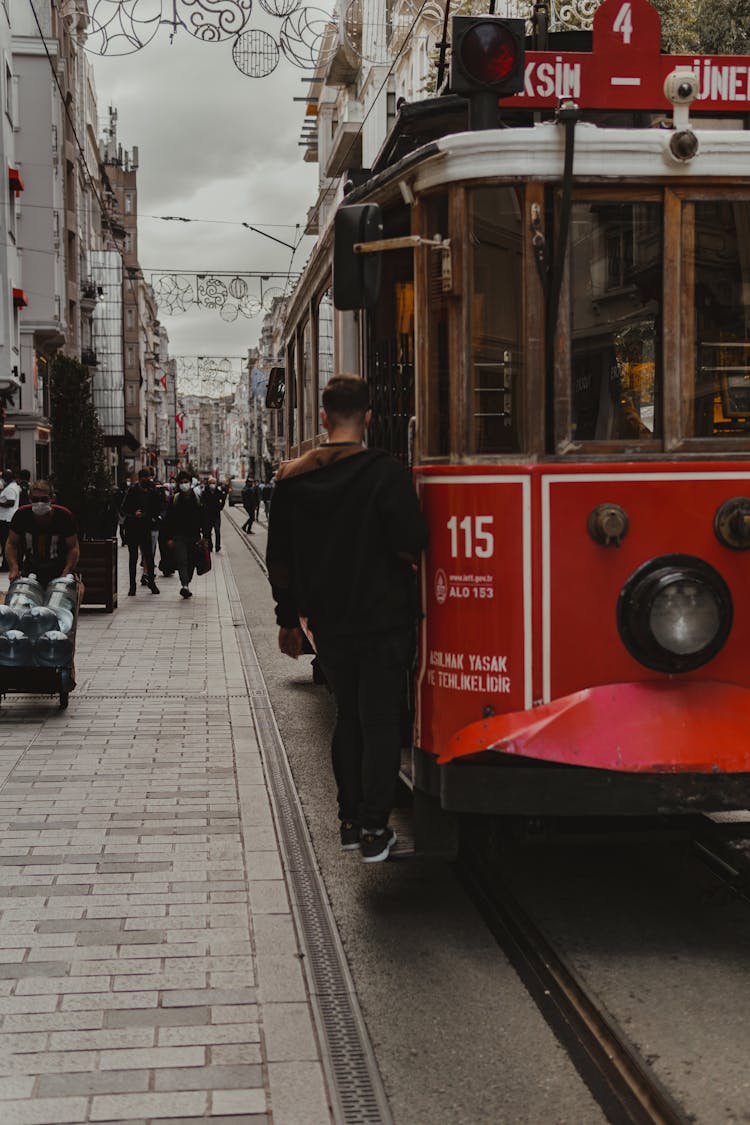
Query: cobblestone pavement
pixel 149 966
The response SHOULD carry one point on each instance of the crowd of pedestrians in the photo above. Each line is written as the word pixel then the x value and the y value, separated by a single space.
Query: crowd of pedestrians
pixel 178 519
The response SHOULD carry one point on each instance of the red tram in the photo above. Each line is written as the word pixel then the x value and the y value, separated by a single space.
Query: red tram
pixel 549 293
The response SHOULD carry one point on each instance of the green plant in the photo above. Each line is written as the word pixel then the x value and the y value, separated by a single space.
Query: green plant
pixel 82 482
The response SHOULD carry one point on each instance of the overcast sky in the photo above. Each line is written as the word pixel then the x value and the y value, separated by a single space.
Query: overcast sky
pixel 213 144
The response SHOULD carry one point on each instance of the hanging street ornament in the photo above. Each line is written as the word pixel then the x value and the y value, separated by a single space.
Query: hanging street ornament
pixel 174 293
pixel 237 288
pixel 255 53
pixel 212 21
pixel 279 8
pixel 308 38
pixel 122 27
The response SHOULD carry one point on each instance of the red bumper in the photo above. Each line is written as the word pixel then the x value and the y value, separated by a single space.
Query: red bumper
pixel 668 726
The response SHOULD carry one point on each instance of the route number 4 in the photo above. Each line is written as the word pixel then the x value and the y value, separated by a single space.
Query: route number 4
pixel 478 540
pixel 623 24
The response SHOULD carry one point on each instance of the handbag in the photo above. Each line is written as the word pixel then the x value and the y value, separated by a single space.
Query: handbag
pixel 201 557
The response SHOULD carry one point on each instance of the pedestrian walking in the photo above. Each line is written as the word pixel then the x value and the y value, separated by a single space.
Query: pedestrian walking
pixel 345 535
pixel 141 511
pixel 9 503
pixel 214 499
pixel 266 494
pixel 24 485
pixel 43 538
pixel 250 504
pixel 184 526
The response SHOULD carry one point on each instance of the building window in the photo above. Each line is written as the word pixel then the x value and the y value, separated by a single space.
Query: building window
pixel 128 203
pixel 130 318
pixel 128 243
pixel 130 356
pixel 131 394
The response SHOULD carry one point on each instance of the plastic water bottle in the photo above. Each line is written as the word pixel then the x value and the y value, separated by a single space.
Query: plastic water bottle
pixel 8 618
pixel 28 588
pixel 16 649
pixel 37 620
pixel 53 649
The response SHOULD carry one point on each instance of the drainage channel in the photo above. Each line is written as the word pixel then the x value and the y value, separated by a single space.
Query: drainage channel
pixel 354 1083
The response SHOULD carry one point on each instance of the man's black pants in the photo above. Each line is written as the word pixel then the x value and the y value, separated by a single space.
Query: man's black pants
pixel 140 540
pixel 368 677
pixel 216 528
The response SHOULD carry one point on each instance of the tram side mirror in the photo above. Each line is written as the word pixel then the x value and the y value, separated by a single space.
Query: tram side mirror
pixel 356 277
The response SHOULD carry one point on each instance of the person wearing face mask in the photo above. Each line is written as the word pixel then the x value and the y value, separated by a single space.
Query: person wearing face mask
pixel 184 526
pixel 214 499
pixel 141 511
pixel 43 539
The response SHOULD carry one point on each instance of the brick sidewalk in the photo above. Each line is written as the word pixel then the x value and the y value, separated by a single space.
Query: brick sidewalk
pixel 149 966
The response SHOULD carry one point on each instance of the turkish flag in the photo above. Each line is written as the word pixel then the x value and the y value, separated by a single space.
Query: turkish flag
pixel 180 420
pixel 163 381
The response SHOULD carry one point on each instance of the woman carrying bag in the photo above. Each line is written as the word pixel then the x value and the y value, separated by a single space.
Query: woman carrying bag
pixel 184 527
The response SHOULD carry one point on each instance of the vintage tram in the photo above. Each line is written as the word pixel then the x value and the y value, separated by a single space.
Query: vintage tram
pixel 549 293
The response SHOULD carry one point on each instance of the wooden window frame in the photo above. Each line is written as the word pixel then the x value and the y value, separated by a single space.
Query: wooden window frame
pixel 565 444
pixel 682 316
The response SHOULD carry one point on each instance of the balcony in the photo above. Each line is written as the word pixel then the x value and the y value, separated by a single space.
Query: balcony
pixel 90 294
pixel 346 146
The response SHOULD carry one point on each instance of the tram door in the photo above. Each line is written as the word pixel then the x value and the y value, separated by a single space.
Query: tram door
pixel 389 352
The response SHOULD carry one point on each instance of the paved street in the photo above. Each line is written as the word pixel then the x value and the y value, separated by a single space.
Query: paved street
pixel 150 969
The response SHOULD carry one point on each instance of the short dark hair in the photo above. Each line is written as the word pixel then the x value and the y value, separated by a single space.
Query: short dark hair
pixel 346 397
pixel 182 475
pixel 144 474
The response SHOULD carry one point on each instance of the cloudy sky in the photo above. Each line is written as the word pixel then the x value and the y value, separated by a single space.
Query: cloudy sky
pixel 213 145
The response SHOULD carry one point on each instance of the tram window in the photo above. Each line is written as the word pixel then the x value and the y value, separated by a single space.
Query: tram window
pixel 307 383
pixel 325 343
pixel 291 395
pixel 616 320
pixel 438 386
pixel 496 316
pixel 716 264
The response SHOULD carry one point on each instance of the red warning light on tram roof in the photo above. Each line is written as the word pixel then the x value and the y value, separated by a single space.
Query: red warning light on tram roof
pixel 489 51
pixel 487 54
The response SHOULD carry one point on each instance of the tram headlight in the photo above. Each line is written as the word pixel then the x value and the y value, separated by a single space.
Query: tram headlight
pixel 674 613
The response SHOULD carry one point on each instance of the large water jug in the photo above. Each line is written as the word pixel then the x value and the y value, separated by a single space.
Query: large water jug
pixel 53 649
pixel 16 649
pixel 62 602
pixel 8 618
pixel 63 590
pixel 37 620
pixel 28 588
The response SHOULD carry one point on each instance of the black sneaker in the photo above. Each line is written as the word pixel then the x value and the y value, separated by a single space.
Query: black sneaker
pixel 350 835
pixel 185 593
pixel 144 580
pixel 376 845
pixel 153 587
pixel 131 592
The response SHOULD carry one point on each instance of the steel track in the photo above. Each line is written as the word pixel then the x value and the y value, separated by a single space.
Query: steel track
pixel 619 1079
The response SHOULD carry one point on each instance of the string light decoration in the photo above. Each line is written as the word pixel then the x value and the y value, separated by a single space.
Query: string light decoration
pixel 226 293
pixel 122 27
pixel 211 375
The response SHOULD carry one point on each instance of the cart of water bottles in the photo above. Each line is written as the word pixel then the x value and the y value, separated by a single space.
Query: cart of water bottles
pixel 37 637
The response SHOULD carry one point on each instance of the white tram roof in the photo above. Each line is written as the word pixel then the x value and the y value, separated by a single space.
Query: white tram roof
pixel 537 153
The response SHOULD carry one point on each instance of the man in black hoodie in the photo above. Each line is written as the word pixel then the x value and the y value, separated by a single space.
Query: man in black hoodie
pixel 345 533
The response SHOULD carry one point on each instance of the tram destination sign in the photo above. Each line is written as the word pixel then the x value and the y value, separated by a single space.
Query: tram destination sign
pixel 626 69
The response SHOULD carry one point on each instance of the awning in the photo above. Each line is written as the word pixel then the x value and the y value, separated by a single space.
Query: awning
pixel 14 180
pixel 19 299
